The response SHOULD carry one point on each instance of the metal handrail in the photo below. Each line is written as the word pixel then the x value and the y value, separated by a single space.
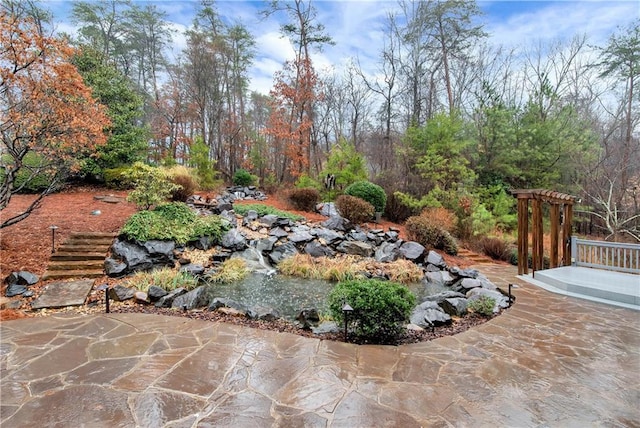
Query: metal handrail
pixel 605 255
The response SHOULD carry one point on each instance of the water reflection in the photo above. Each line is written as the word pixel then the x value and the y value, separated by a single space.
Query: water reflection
pixel 288 295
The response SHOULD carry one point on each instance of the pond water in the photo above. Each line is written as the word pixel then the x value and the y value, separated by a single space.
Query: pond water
pixel 288 295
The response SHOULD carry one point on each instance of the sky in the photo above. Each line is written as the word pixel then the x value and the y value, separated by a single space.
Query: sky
pixel 356 27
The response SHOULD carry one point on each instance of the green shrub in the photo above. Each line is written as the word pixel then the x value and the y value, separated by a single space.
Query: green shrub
pixel 380 308
pixel 354 209
pixel 186 186
pixel 173 222
pixel 116 178
pixel 242 177
pixel 304 199
pixel 152 185
pixel 483 305
pixel 397 210
pixel 422 230
pixel 262 210
pixel 305 181
pixel 369 192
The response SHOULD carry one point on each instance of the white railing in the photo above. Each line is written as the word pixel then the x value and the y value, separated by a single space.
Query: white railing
pixel 605 255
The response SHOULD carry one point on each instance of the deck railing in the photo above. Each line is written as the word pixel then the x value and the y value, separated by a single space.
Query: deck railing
pixel 606 255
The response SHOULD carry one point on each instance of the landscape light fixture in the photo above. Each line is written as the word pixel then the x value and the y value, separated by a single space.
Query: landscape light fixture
pixel 105 287
pixel 346 310
pixel 53 228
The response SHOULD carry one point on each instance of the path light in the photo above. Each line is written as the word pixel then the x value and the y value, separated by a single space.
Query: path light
pixel 346 310
pixel 105 287
pixel 53 238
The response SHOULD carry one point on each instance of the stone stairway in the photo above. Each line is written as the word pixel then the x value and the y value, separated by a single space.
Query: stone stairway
pixel 476 258
pixel 80 256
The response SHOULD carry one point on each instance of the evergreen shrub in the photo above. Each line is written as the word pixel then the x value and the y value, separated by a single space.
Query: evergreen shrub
pixel 354 209
pixel 369 192
pixel 242 177
pixel 380 308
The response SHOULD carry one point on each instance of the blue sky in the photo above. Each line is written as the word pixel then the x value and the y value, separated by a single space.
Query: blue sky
pixel 356 26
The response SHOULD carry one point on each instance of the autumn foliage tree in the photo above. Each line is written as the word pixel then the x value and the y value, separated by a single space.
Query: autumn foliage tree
pixel 46 110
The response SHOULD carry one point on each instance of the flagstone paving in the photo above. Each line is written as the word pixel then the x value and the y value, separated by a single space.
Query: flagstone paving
pixel 550 360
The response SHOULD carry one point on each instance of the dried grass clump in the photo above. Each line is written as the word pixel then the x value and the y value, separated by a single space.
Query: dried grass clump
pixel 231 270
pixel 166 278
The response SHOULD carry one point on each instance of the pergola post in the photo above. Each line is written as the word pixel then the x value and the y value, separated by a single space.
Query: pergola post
pixel 538 197
pixel 523 235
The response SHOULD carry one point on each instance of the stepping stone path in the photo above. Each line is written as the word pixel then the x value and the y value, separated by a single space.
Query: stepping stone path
pixel 80 256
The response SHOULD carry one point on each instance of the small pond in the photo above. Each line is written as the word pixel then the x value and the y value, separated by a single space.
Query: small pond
pixel 288 295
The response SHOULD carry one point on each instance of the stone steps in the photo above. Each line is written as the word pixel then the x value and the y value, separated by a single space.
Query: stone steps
pixel 80 256
pixel 474 257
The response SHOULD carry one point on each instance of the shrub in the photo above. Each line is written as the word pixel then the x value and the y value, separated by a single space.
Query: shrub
pixel 495 248
pixel 34 176
pixel 242 177
pixel 151 185
pixel 304 199
pixel 354 209
pixel 422 230
pixel 397 210
pixel 186 186
pixel 173 222
pixel 441 217
pixel 369 192
pixel 305 181
pixel 483 305
pixel 380 308
pixel 116 178
pixel 263 209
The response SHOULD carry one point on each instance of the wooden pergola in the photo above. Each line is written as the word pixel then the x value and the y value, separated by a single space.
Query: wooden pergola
pixel 557 202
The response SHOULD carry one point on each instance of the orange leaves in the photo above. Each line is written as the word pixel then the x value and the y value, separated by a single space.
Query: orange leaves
pixel 46 107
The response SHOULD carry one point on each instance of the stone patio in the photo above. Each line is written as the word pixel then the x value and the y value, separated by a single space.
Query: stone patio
pixel 550 360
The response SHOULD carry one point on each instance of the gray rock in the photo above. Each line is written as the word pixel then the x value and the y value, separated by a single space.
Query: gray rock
pixel 278 232
pixel 161 252
pixel 327 209
pixel 464 273
pixel 435 259
pixel 356 248
pixel 447 294
pixel 266 244
pixel 282 252
pixel 387 252
pixel 326 327
pixel 357 236
pixel 155 293
pixel 114 268
pixel 166 300
pixel 440 278
pixel 308 318
pixel 501 301
pixel 268 220
pixel 428 314
pixel 204 243
pixel 251 215
pixel 391 236
pixel 468 283
pixel 141 297
pixel 456 306
pixel 28 293
pixel 22 277
pixel 135 256
pixel 15 290
pixel 300 236
pixel 327 235
pixel 220 302
pixel 234 240
pixel 121 293
pixel 412 251
pixel 336 222
pixel 316 249
pixel 255 261
pixel 193 269
pixel 196 298
pixel 263 313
